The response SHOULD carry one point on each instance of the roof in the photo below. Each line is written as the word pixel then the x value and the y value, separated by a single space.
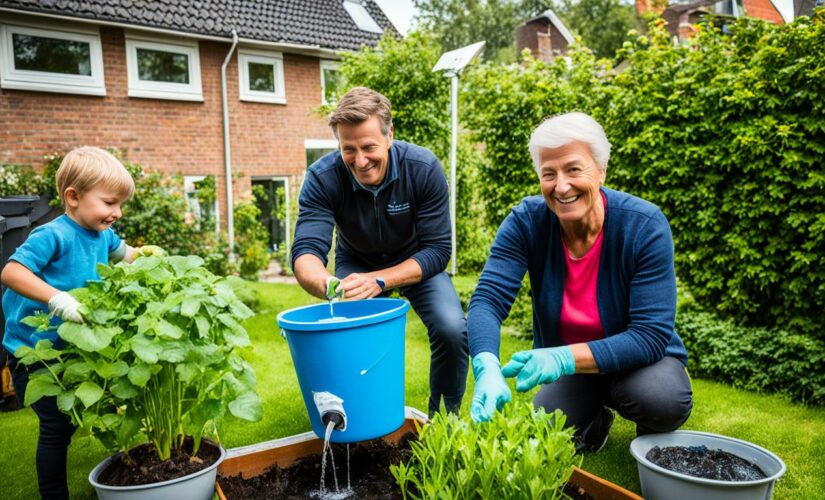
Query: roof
pixel 551 16
pixel 321 23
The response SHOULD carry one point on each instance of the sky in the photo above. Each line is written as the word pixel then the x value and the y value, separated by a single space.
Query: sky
pixel 400 12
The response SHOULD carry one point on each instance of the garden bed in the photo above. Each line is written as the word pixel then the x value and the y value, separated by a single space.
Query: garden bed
pixel 257 460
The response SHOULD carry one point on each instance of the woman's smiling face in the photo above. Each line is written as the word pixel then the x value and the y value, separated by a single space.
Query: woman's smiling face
pixel 570 181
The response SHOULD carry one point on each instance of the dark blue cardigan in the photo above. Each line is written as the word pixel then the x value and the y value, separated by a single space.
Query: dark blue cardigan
pixel 636 284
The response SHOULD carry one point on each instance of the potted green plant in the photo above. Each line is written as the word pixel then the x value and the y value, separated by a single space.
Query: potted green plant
pixel 156 359
pixel 519 453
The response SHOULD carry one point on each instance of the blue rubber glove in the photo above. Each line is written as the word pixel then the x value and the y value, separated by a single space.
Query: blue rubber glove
pixel 491 392
pixel 539 366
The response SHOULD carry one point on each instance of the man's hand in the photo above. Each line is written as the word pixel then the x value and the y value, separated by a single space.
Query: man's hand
pixel 491 392
pixel 360 286
pixel 334 288
pixel 149 251
pixel 65 307
pixel 539 366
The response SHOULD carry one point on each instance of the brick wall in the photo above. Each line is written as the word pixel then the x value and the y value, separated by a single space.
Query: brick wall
pixel 172 136
pixel 762 9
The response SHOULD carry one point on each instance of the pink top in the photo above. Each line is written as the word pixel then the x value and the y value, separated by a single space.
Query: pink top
pixel 580 320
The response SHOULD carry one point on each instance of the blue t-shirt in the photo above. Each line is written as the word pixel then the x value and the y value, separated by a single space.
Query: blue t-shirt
pixel 63 254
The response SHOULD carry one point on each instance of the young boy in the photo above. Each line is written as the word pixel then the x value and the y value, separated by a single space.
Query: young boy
pixel 57 257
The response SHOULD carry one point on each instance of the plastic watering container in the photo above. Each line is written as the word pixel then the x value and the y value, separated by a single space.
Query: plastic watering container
pixel 357 356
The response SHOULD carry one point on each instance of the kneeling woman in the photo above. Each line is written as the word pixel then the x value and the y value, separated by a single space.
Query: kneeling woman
pixel 604 296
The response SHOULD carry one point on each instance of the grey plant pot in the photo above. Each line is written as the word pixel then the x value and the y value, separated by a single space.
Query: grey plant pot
pixel 659 483
pixel 197 486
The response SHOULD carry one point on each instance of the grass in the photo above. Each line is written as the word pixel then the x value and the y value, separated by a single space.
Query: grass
pixel 791 431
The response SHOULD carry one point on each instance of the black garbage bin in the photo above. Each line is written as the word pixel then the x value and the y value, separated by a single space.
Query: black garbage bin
pixel 18 216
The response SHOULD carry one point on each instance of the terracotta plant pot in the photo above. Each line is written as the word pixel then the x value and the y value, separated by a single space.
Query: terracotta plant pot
pixel 253 460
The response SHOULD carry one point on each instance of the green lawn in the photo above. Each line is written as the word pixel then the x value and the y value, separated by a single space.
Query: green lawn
pixel 793 432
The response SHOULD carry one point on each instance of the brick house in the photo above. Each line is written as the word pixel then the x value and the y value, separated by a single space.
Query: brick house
pixel 145 76
pixel 545 35
pixel 682 16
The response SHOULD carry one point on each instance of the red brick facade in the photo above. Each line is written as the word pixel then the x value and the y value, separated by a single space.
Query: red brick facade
pixel 173 136
pixel 762 9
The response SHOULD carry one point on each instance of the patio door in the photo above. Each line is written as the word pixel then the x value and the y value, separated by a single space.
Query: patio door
pixel 271 198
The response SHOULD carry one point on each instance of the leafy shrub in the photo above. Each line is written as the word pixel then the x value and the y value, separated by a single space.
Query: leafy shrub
pixel 520 453
pixel 754 358
pixel 20 180
pixel 158 354
pixel 251 240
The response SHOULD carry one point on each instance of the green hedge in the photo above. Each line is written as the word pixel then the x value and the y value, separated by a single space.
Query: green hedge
pixel 725 133
pixel 754 358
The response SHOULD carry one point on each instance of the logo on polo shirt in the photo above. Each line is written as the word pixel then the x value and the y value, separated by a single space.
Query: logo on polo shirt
pixel 398 208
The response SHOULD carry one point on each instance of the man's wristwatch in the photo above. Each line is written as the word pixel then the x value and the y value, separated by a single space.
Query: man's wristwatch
pixel 380 283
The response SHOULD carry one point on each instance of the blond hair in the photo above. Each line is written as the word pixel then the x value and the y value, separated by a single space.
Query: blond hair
pixel 358 105
pixel 87 167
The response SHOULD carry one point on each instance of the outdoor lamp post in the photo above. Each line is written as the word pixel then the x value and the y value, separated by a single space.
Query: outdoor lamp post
pixel 451 63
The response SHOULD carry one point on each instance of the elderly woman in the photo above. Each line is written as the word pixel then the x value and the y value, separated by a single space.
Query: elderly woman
pixel 604 296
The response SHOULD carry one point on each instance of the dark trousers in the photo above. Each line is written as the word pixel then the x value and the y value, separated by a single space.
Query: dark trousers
pixel 436 303
pixel 56 431
pixel 658 397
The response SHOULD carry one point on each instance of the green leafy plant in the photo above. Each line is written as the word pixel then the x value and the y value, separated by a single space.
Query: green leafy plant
pixel 158 355
pixel 520 453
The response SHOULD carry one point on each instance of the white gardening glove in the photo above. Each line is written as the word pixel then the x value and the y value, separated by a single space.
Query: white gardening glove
pixel 65 307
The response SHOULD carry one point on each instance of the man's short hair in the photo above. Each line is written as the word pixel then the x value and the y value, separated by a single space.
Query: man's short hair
pixel 358 105
pixel 87 167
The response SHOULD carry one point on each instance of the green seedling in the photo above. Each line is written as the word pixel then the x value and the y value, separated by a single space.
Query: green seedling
pixel 157 356
pixel 520 453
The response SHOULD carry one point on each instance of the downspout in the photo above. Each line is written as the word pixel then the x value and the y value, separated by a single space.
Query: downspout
pixel 227 154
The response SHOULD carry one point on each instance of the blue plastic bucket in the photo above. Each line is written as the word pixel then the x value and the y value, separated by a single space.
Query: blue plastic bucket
pixel 360 359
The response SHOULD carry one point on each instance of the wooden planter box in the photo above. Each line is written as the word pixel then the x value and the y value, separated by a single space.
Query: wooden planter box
pixel 250 461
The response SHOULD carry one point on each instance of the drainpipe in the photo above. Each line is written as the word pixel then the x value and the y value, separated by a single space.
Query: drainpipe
pixel 227 155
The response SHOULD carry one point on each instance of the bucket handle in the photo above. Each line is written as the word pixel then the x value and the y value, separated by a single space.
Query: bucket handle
pixel 380 358
pixel 283 333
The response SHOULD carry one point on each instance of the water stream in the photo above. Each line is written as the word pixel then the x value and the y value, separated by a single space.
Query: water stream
pixel 338 494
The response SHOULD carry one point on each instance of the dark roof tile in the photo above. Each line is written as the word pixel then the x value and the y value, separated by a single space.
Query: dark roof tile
pixel 322 23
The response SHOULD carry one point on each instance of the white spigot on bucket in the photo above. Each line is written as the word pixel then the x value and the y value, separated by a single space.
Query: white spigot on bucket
pixel 331 409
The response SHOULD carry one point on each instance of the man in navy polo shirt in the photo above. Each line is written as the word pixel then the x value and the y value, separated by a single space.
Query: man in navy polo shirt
pixel 390 204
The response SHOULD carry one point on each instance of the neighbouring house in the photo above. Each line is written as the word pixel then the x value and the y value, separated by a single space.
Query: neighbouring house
pixel 145 76
pixel 683 16
pixel 545 36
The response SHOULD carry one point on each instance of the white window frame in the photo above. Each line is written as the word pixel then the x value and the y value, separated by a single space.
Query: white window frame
pixel 191 91
pixel 276 59
pixel 327 64
pixel 43 81
pixel 191 180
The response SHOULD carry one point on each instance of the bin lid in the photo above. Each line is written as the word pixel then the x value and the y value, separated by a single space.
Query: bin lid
pixel 17 205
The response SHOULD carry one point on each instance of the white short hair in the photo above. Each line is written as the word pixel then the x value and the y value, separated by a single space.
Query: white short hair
pixel 561 130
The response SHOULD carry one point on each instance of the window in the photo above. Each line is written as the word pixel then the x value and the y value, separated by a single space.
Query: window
pixel 361 17
pixel 201 198
pixel 261 76
pixel 45 59
pixel 316 148
pixel 330 81
pixel 162 69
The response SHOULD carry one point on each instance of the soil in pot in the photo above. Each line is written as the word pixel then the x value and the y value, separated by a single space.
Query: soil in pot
pixel 370 475
pixel 144 467
pixel 699 461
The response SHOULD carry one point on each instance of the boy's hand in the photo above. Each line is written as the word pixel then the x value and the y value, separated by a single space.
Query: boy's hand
pixel 150 251
pixel 65 307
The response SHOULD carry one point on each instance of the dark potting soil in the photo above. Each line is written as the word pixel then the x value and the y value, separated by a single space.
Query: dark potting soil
pixel 370 475
pixel 699 461
pixel 143 465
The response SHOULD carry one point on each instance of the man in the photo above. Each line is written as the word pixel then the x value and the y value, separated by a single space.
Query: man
pixel 389 202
